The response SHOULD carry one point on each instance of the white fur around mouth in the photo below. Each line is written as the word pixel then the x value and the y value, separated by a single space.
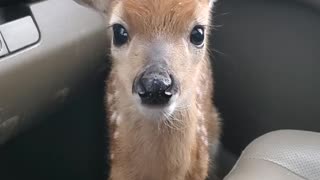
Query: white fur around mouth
pixel 156 113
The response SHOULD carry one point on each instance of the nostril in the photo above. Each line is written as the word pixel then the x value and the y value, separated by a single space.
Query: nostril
pixel 167 94
pixel 139 88
pixel 142 93
pixel 170 85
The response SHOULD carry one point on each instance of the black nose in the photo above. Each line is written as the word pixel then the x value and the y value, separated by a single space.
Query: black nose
pixel 155 86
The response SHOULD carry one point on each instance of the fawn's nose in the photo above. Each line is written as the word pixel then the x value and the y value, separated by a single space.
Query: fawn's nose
pixel 155 86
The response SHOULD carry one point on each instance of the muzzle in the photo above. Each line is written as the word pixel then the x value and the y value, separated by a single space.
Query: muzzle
pixel 155 86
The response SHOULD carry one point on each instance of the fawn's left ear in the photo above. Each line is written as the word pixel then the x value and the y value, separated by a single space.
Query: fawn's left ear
pixel 211 3
pixel 99 5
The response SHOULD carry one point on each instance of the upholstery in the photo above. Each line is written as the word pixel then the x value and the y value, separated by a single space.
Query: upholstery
pixel 280 155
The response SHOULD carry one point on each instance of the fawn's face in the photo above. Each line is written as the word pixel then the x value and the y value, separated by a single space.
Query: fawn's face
pixel 157 47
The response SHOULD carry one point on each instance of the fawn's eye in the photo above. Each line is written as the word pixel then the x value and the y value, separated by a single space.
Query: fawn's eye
pixel 197 36
pixel 120 35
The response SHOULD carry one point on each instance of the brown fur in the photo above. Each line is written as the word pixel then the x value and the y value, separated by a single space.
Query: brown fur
pixel 149 18
pixel 149 149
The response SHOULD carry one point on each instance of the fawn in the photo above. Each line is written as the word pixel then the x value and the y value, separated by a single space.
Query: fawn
pixel 163 124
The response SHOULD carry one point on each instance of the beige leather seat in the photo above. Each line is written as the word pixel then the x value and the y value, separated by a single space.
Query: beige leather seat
pixel 280 155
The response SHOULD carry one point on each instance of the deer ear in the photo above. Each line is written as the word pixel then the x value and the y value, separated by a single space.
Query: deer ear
pixel 211 3
pixel 99 5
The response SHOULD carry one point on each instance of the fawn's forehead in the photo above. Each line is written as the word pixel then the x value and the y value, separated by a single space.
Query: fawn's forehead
pixel 152 17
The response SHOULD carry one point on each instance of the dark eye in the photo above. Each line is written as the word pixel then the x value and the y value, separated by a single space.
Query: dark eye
pixel 120 35
pixel 197 36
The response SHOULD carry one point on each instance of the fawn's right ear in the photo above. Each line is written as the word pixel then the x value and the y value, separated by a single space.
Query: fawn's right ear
pixel 99 5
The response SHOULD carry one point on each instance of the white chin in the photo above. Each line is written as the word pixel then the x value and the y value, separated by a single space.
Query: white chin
pixel 156 113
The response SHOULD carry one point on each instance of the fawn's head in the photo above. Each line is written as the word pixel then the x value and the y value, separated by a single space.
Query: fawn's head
pixel 157 48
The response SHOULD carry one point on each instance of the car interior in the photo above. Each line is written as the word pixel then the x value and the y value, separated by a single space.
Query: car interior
pixel 54 61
